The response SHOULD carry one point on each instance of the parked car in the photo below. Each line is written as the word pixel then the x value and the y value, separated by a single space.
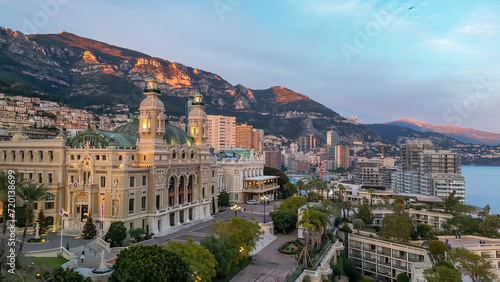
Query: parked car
pixel 232 203
pixel 252 202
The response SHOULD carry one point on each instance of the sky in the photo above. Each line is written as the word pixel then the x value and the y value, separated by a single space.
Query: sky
pixel 432 61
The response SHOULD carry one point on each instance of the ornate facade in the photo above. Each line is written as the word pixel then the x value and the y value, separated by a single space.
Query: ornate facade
pixel 147 173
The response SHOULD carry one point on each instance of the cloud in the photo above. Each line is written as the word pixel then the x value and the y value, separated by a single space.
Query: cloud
pixel 446 45
pixel 482 29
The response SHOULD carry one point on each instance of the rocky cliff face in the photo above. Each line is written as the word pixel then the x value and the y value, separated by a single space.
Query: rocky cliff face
pixel 94 75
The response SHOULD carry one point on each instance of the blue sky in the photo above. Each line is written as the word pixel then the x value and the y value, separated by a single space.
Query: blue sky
pixel 380 60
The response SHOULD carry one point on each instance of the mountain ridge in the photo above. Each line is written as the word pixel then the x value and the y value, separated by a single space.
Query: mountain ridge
pixel 466 135
pixel 94 75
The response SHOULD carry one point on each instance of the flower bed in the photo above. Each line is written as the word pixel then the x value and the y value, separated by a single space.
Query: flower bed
pixel 291 248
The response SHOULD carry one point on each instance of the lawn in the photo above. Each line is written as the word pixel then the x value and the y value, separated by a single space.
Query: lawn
pixel 51 262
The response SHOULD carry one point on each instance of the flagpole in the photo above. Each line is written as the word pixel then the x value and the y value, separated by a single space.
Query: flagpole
pixel 62 228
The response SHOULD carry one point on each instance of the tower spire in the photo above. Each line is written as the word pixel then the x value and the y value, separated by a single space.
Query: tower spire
pixel 197 121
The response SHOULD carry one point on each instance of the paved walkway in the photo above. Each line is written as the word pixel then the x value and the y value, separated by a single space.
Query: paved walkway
pixel 53 241
pixel 268 264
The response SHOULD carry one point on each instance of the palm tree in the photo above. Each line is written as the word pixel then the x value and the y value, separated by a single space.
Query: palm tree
pixel 305 221
pixel 342 191
pixel 313 221
pixel 371 191
pixel 345 206
pixel 358 224
pixel 4 192
pixel 30 193
pixel 321 185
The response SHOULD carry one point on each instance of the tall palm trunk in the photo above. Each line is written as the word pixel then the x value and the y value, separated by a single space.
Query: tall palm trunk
pixel 4 224
pixel 28 215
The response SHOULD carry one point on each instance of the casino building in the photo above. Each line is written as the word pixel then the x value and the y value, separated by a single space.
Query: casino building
pixel 147 173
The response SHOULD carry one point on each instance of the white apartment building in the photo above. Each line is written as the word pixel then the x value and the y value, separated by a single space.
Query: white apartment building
pixel 426 171
pixel 384 260
pixel 221 132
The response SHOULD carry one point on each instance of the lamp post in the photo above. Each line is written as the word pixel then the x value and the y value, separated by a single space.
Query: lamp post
pixel 265 199
pixel 235 208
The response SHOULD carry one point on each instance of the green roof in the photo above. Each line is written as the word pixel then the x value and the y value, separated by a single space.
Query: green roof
pixel 173 135
pixel 234 153
pixel 102 139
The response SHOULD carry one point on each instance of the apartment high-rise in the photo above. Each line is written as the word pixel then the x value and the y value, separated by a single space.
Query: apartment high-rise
pixel 221 132
pixel 248 137
pixel 342 156
pixel 244 136
pixel 426 171
pixel 332 138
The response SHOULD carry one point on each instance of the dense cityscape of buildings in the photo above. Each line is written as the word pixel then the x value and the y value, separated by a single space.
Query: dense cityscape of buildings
pixel 156 174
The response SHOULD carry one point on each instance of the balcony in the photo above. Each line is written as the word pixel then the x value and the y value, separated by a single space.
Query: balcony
pixel 400 266
pixel 82 186
pixel 369 258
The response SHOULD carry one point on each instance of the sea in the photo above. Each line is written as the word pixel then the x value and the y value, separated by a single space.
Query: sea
pixel 482 186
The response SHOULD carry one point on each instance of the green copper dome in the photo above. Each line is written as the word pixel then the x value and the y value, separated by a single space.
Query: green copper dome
pixel 173 135
pixel 102 139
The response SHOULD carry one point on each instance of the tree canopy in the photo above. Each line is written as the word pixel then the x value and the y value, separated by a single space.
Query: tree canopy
pixel 437 249
pixel 397 227
pixel 293 204
pixel 116 233
pixel 490 225
pixel 149 263
pixel 200 261
pixel 242 233
pixel 365 213
pixel 470 264
pixel 223 199
pixel 282 180
pixel 284 220
pixel 223 251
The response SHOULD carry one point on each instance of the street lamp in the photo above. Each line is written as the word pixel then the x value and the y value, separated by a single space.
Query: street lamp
pixel 235 208
pixel 265 199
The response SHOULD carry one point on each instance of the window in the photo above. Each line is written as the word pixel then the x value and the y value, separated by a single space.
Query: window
pixel 132 157
pixel 35 206
pixel 104 157
pixel 236 197
pixel 132 180
pixel 13 155
pixel 103 181
pixel 40 179
pixel 131 226
pixel 40 156
pixel 120 158
pixel 97 157
pixel 203 192
pixel 157 202
pixel 130 206
pixel 22 155
pixel 72 157
pixel 49 201
pixel 4 154
pixel 49 177
pixel 30 153
pixel 144 177
pixel 213 189
pixel 51 155
pixel 30 177
pixel 144 158
pixel 143 203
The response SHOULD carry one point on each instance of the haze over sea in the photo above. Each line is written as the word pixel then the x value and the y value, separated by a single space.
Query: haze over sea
pixel 482 186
